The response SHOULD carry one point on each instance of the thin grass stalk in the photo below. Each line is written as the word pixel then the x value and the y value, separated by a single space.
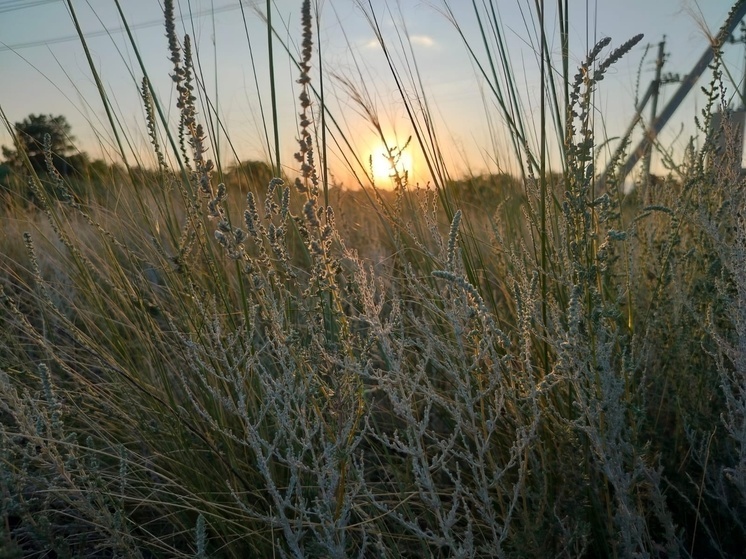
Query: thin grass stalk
pixel 543 183
pixel 429 144
pixel 164 122
pixel 273 89
pixel 210 108
pixel 216 141
pixel 256 82
pixel 322 115
pixel 564 22
pixel 506 97
pixel 90 346
pixel 337 133
pixel 215 127
pixel 432 160
pixel 509 105
pixel 559 105
pixel 99 84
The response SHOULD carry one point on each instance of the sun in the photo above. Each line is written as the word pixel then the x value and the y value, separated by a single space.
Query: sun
pixel 384 169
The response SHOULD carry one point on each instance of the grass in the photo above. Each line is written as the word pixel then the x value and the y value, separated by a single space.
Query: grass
pixel 493 366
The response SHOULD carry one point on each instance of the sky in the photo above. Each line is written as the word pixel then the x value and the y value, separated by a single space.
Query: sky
pixel 44 70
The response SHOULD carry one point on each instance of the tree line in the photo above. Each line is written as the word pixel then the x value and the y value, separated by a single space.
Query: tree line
pixel 80 172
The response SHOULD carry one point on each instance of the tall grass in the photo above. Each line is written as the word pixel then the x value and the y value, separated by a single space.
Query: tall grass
pixel 193 375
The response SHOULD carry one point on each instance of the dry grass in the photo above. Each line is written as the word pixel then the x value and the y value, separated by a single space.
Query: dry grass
pixel 283 368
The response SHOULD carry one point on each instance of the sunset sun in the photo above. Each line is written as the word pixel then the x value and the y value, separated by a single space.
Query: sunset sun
pixel 384 167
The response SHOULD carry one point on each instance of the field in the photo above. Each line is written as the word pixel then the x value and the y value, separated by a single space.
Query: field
pixel 198 361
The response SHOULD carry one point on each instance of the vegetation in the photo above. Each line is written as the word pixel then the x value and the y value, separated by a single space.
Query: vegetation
pixel 496 367
pixel 31 133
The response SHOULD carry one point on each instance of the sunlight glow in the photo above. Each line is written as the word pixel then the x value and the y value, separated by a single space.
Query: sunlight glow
pixel 382 168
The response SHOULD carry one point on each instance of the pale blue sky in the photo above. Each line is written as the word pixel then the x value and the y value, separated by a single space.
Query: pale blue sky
pixel 45 71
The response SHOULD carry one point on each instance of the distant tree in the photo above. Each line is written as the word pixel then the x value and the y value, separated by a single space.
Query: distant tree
pixel 250 175
pixel 31 131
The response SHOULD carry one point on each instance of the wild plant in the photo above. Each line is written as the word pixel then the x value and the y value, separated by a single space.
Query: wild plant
pixel 205 378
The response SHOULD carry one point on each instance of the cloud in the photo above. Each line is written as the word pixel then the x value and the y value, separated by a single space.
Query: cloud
pixel 419 40
pixel 422 40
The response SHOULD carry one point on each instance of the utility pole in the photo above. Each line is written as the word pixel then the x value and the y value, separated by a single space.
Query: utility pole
pixel 659 81
pixel 654 107
pixel 728 123
pixel 734 18
pixel 732 40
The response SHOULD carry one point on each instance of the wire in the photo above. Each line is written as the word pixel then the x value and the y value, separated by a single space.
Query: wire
pixel 102 33
pixel 16 5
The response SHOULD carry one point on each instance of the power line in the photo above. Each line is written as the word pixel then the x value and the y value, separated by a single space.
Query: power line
pixel 16 5
pixel 103 32
pixel 69 38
